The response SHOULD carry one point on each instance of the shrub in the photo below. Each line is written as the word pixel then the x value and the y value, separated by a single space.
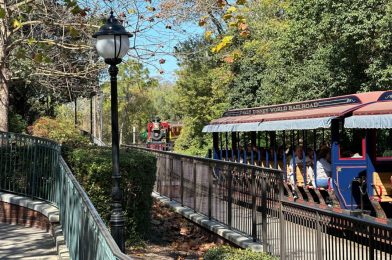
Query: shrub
pixel 61 131
pixel 92 167
pixel 17 124
pixel 230 253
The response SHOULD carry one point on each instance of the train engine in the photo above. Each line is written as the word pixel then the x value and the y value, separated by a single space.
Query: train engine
pixel 161 134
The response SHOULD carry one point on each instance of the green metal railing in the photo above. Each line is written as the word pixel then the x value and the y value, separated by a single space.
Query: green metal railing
pixel 33 167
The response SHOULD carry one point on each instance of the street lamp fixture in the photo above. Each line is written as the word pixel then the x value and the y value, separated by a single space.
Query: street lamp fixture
pixel 113 45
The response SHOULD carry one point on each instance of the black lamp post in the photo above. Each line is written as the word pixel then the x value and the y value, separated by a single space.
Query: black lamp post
pixel 113 45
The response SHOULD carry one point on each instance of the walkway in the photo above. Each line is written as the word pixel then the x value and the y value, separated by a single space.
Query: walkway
pixel 19 242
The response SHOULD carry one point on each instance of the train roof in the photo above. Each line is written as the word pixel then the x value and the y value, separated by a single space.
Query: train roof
pixel 310 114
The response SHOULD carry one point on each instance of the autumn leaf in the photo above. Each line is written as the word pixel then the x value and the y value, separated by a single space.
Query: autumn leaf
pixel 227 16
pixel 224 43
pixel 207 35
pixel 221 3
pixel 243 26
pixel 228 59
pixel 162 61
pixel 2 13
pixel 233 24
pixel 203 20
pixel 231 10
pixel 38 58
pixel 245 33
pixel 151 8
pixel 16 24
pixel 31 41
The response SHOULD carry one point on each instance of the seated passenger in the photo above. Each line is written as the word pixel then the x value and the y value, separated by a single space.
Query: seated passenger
pixel 297 160
pixel 324 168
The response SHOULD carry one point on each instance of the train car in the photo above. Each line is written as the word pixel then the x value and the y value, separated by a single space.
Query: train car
pixel 161 135
pixel 334 152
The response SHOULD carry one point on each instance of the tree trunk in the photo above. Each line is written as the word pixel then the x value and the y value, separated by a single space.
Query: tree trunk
pixel 4 102
pixel 4 72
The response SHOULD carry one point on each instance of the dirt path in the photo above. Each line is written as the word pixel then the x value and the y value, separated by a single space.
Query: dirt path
pixel 174 237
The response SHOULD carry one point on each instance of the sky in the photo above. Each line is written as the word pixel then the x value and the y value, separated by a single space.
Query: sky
pixel 153 38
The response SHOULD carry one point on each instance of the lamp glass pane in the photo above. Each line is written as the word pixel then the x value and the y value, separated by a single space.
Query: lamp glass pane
pixel 110 45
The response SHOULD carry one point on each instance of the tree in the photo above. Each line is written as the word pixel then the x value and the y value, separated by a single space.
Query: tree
pixel 331 48
pixel 44 41
pixel 135 102
pixel 202 94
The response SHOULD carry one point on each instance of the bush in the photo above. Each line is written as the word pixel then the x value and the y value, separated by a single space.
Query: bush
pixel 17 124
pixel 92 167
pixel 61 131
pixel 230 253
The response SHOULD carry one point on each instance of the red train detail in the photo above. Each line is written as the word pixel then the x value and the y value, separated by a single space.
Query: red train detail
pixel 162 134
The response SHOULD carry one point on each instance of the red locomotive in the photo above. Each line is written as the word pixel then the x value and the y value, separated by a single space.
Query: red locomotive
pixel 162 134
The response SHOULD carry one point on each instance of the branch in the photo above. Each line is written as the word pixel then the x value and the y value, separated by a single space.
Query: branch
pixel 17 5
pixel 65 46
pixel 59 24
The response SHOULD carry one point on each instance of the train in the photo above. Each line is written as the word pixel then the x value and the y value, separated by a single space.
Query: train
pixel 348 137
pixel 161 135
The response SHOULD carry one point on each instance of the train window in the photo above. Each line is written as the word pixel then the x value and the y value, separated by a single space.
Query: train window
pixel 352 143
pixel 384 143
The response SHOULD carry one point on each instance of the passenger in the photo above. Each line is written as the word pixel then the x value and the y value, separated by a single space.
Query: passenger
pixel 310 154
pixel 324 168
pixel 297 160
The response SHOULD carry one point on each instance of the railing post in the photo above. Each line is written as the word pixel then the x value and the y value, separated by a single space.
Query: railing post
pixel 282 223
pixel 33 177
pixel 229 198
pixel 254 206
pixel 318 242
pixel 170 178
pixel 194 185
pixel 210 169
pixel 182 182
pixel 371 243
pixel 264 212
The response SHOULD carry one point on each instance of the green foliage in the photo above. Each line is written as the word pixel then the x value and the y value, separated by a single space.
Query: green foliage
pixel 92 167
pixel 202 89
pixel 230 253
pixel 61 131
pixel 331 48
pixel 16 123
pixel 135 99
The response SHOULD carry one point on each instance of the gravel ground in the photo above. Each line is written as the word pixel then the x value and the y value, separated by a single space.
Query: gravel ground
pixel 174 237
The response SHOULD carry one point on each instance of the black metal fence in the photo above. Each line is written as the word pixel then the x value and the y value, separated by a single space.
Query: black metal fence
pixel 33 167
pixel 250 199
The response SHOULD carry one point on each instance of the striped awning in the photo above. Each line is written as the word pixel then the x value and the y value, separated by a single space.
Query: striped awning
pixel 296 124
pixel 382 121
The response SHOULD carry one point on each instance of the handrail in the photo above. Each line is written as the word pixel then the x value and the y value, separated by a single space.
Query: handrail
pixel 33 167
pixel 206 160
pixel 98 223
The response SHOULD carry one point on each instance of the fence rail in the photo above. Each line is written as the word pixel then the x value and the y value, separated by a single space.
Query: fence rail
pixel 250 199
pixel 33 167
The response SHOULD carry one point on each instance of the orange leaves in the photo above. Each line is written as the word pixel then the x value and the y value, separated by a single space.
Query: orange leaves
pixel 244 30
pixel 233 56
pixel 228 59
pixel 221 3
pixel 245 34
pixel 203 20
pixel 243 26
